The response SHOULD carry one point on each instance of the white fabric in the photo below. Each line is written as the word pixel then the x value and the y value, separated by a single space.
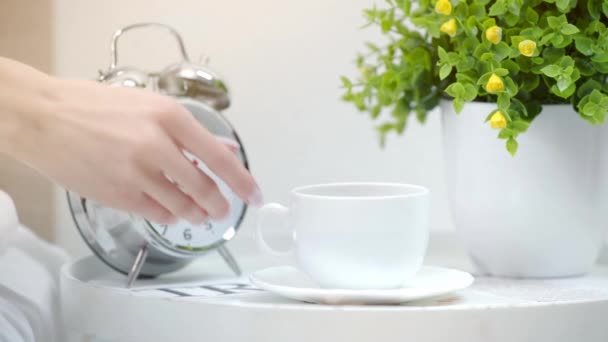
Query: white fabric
pixel 8 220
pixel 29 282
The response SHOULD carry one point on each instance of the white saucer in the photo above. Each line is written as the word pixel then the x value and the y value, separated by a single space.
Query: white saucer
pixel 289 282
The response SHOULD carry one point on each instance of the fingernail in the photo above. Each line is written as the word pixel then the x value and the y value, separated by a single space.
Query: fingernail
pixel 231 144
pixel 256 199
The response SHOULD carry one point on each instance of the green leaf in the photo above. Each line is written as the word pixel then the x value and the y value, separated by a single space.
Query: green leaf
pixel 376 111
pixel 511 66
pixel 453 58
pixel 502 50
pixel 594 107
pixel 480 50
pixel 557 40
pixel 534 32
pixel 458 105
pixel 585 67
pixel 514 6
pixel 405 5
pixel 499 8
pixel 386 26
pixel 445 71
pixel 556 23
pixel 470 92
pixel 466 78
pixel 512 146
pixel 486 57
pixel 442 54
pixel 505 133
pixel 488 23
pixel 529 82
pixel 471 25
pixel 600 57
pixel 359 100
pixel 484 79
pixel 466 63
pixel 518 106
pixel 469 44
pixel 501 72
pixel 456 90
pixel 593 7
pixel 563 83
pixel 512 88
pixel 566 61
pixel 569 29
pixel 601 67
pixel 587 87
pixel 553 54
pixel 373 47
pixel 565 93
pixel 537 60
pixel 531 15
pixel 515 40
pixel 478 10
pixel 503 101
pixel 562 5
pixel 346 83
pixel 520 126
pixel 546 38
pixel 583 45
pixel 551 70
pixel 511 19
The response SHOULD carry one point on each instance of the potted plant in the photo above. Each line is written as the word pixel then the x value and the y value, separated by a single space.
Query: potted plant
pixel 529 75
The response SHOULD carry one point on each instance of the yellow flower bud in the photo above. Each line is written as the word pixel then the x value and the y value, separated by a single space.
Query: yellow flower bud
pixel 495 84
pixel 498 120
pixel 443 7
pixel 527 47
pixel 449 27
pixel 494 34
pixel 366 72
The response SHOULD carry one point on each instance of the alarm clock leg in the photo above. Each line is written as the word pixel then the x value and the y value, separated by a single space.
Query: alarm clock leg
pixel 137 265
pixel 230 260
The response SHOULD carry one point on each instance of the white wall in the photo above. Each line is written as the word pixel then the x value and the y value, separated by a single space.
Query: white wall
pixel 283 60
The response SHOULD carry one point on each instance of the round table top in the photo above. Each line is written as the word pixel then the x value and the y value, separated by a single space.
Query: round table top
pixel 204 302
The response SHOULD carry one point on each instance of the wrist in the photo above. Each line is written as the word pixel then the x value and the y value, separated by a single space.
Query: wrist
pixel 26 103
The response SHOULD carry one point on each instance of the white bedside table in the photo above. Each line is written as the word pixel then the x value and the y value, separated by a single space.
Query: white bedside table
pixel 98 308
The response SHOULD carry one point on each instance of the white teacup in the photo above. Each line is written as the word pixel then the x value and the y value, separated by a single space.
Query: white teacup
pixel 355 235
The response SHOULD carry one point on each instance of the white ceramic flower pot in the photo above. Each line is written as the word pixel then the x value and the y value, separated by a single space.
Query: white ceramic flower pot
pixel 538 214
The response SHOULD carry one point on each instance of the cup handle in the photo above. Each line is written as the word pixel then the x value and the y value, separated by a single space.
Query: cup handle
pixel 271 209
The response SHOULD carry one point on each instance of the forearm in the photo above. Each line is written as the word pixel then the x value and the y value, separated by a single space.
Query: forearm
pixel 26 96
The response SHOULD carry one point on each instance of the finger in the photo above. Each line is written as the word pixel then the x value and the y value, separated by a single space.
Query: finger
pixel 196 184
pixel 190 134
pixel 173 199
pixel 232 145
pixel 152 210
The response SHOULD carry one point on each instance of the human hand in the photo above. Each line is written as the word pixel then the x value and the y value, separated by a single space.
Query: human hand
pixel 117 145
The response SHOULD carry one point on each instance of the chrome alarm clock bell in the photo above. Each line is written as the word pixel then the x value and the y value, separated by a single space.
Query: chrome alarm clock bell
pixel 133 245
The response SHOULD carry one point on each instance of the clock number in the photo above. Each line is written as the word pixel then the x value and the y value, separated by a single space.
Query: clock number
pixel 188 234
pixel 164 227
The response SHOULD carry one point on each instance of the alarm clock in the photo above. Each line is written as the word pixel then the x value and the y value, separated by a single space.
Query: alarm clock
pixel 131 244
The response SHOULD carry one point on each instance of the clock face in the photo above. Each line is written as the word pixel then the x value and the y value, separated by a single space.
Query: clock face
pixel 194 238
pixel 188 237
